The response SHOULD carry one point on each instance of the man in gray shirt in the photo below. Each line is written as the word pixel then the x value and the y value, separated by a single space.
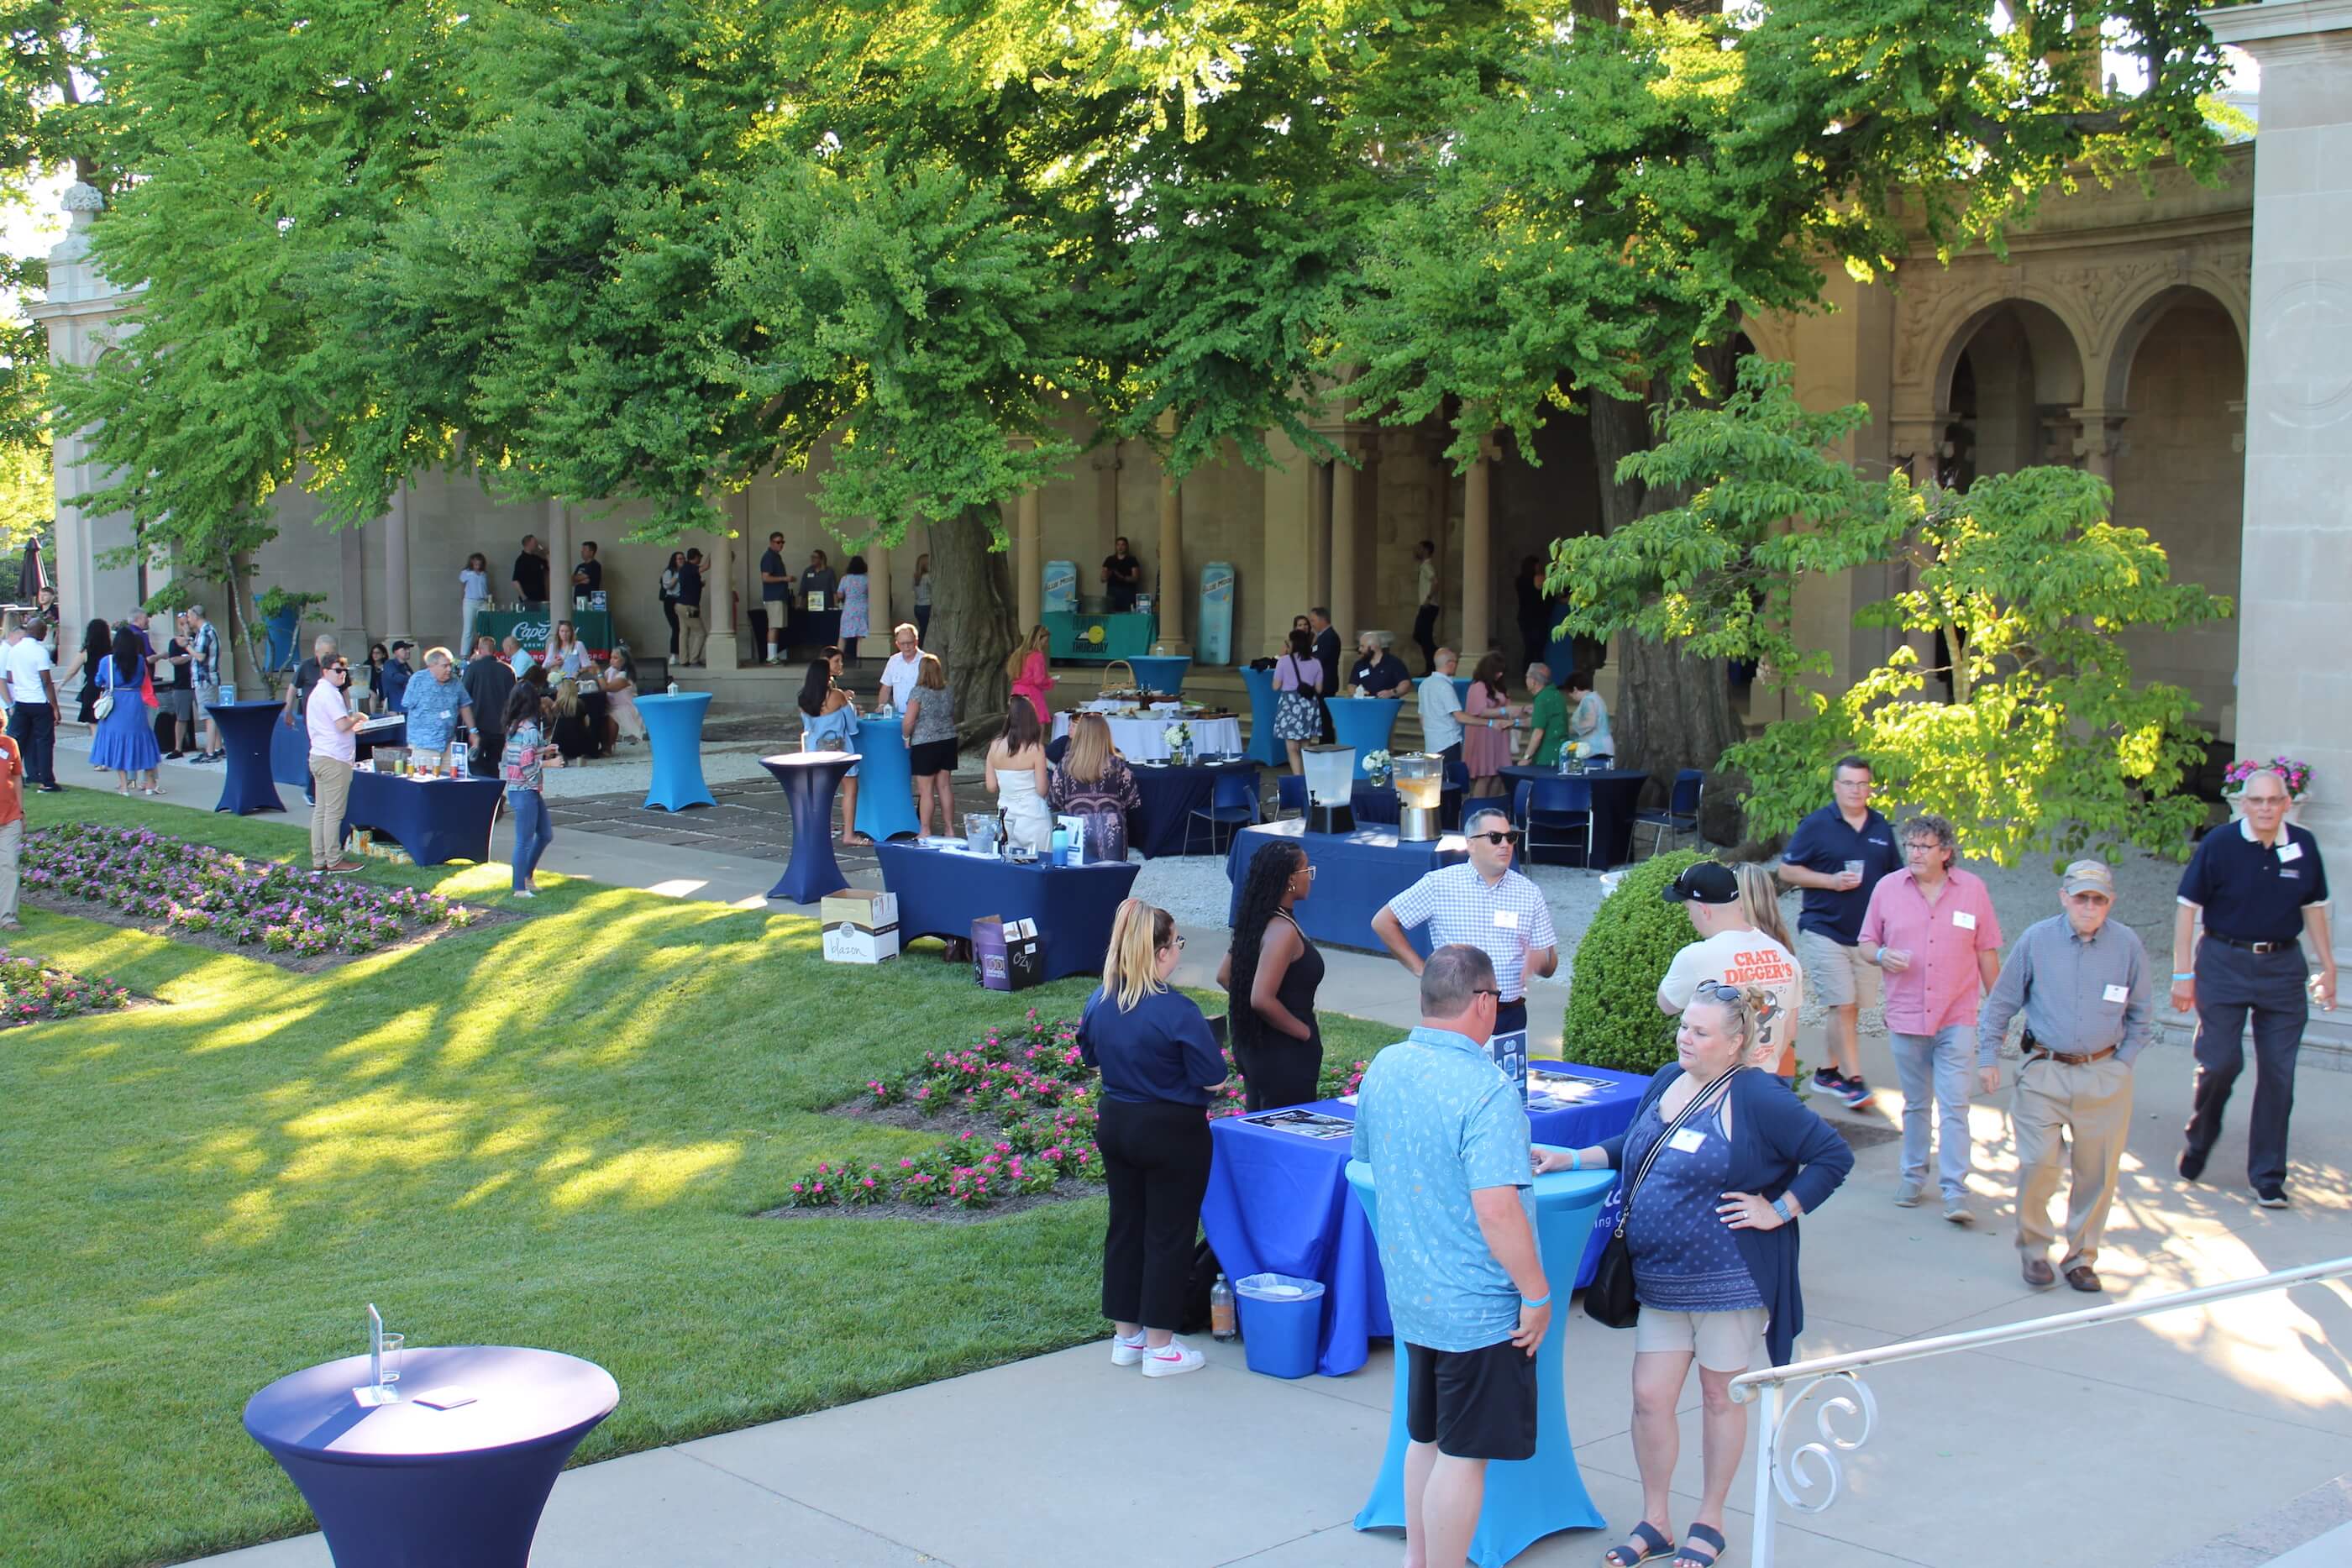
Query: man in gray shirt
pixel 2082 982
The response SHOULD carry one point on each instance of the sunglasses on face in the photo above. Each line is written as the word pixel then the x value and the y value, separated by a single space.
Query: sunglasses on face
pixel 1508 837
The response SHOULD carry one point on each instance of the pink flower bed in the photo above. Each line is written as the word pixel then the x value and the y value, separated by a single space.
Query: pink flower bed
pixel 30 993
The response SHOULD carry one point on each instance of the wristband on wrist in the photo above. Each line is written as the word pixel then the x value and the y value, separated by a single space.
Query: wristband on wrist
pixel 1542 1300
pixel 1576 1159
pixel 2185 974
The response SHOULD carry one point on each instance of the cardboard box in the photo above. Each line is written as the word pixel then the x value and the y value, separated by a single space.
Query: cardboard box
pixel 861 925
pixel 1007 955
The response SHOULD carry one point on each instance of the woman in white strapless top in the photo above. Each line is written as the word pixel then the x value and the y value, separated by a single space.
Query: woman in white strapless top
pixel 1017 771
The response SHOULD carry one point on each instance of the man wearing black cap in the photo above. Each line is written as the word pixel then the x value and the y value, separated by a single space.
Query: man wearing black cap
pixel 1732 951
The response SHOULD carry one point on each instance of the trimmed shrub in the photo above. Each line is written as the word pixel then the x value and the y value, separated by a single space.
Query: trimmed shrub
pixel 1612 1004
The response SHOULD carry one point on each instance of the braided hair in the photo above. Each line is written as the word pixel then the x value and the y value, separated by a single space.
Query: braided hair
pixel 1262 890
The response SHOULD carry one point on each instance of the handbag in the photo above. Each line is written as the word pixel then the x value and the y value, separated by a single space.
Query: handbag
pixel 1609 1300
pixel 105 703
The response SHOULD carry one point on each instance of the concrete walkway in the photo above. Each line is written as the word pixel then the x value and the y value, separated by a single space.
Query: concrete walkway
pixel 2209 1438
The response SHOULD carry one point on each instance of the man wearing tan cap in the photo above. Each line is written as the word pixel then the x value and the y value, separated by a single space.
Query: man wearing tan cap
pixel 2083 985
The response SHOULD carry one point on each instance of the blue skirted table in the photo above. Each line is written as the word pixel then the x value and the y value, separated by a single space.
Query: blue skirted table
pixel 674 735
pixel 1364 723
pixel 435 820
pixel 289 749
pixel 886 781
pixel 1160 672
pixel 941 892
pixel 247 733
pixel 1528 1499
pixel 1263 745
pixel 404 1484
pixel 809 779
pixel 1355 874
pixel 1278 1203
pixel 1171 795
pixel 1616 798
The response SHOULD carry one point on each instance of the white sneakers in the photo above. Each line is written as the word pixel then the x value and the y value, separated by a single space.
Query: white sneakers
pixel 1168 1360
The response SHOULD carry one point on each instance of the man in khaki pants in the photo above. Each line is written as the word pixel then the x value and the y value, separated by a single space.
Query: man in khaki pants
pixel 2082 985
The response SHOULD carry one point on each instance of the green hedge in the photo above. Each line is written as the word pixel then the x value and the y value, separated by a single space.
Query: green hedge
pixel 1612 1006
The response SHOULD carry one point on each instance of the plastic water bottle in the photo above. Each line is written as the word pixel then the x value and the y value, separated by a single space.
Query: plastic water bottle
pixel 1564 758
pixel 1222 1324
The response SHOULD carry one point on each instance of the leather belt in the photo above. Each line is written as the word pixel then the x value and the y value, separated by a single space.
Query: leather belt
pixel 2070 1059
pixel 1513 1002
pixel 2240 941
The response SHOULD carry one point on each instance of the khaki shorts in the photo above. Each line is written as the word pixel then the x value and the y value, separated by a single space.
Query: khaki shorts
pixel 1837 976
pixel 1724 1341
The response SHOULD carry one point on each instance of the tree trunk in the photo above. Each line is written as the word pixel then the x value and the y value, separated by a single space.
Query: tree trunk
pixel 1673 712
pixel 973 628
pixel 238 629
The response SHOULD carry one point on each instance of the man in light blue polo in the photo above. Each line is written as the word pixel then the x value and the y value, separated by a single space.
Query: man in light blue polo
pixel 1445 1133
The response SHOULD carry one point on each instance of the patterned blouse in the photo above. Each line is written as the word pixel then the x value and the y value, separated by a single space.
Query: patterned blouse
pixel 519 764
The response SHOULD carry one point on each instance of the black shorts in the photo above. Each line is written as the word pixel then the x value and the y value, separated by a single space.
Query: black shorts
pixel 931 757
pixel 1473 1404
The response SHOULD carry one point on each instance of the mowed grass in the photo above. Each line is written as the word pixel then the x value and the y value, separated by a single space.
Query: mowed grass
pixel 556 1132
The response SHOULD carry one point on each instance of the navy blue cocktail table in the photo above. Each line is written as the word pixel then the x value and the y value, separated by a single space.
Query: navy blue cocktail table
pixel 247 731
pixel 809 779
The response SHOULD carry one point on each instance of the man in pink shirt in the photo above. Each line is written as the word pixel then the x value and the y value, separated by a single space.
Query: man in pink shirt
pixel 1931 928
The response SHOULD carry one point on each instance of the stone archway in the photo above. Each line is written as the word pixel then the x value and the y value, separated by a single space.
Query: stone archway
pixel 2008 381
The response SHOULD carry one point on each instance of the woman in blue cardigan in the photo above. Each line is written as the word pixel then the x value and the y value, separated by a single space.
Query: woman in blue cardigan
pixel 1713 1240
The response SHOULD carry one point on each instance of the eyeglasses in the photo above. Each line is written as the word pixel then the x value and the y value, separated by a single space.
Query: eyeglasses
pixel 1180 944
pixel 339 670
pixel 1509 837
pixel 1483 992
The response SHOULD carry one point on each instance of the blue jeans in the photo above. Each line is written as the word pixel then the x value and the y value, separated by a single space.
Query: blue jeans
pixel 1941 1064
pixel 532 832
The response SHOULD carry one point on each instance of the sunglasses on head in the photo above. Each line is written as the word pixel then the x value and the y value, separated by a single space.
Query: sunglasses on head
pixel 1506 836
pixel 1731 995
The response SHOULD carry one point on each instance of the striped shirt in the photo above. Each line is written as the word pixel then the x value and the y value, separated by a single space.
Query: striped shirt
pixel 1458 906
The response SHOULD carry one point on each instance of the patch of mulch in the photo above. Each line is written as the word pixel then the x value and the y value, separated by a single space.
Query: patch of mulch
pixel 485 919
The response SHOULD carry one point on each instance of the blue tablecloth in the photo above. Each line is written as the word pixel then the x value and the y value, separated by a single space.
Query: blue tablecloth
pixel 1263 746
pixel 809 779
pixel 1278 1202
pixel 248 737
pixel 406 1484
pixel 1355 873
pixel 886 780
pixel 941 892
pixel 435 820
pixel 1525 1500
pixel 289 749
pixel 1160 672
pixel 1616 796
pixel 1364 723
pixel 1170 794
pixel 674 735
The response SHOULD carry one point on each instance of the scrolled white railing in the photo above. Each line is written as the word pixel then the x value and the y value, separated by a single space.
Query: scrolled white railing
pixel 1810 1476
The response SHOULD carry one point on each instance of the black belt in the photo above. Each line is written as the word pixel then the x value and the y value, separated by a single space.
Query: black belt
pixel 2240 941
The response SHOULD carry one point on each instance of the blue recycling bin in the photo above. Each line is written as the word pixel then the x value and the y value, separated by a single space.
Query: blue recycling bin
pixel 1281 1320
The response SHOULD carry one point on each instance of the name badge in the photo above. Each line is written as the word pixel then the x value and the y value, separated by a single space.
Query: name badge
pixel 1964 920
pixel 1686 1140
pixel 2290 850
pixel 1508 919
pixel 2117 993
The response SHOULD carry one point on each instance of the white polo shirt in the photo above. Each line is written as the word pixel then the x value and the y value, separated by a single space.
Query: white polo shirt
pixel 901 674
pixel 25 660
pixel 1440 701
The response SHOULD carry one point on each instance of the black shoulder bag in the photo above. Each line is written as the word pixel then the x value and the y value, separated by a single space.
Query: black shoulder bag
pixel 1609 1300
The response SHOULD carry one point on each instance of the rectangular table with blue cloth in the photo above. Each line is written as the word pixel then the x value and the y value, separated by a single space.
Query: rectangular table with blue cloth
pixel 941 892
pixel 1278 1203
pixel 1171 795
pixel 435 820
pixel 1355 874
pixel 1616 796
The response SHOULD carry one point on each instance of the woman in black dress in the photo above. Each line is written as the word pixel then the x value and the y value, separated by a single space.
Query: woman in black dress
pixel 1270 974
pixel 97 646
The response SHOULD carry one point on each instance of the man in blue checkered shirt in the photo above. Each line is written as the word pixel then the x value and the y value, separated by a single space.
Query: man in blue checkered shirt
pixel 1484 904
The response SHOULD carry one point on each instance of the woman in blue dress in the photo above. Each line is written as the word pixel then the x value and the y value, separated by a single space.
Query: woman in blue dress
pixel 829 723
pixel 125 740
pixel 1711 1231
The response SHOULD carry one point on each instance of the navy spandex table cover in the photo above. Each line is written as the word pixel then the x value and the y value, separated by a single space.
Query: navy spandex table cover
pixel 405 1485
pixel 1616 796
pixel 246 738
pixel 1355 873
pixel 435 820
pixel 809 779
pixel 1278 1203
pixel 1170 794
pixel 289 751
pixel 941 892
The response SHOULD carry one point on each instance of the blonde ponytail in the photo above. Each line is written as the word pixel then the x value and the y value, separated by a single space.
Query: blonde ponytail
pixel 1760 902
pixel 1137 933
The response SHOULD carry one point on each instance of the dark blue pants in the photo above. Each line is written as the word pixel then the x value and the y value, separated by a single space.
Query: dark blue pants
pixel 532 831
pixel 2231 984
pixel 1424 636
pixel 34 727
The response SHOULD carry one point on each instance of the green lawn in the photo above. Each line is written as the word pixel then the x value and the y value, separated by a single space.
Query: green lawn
pixel 550 1133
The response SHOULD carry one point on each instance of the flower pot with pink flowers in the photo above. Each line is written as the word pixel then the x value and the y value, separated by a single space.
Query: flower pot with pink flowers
pixel 2295 775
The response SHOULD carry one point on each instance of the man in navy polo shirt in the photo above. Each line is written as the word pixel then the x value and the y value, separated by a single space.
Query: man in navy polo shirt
pixel 2259 889
pixel 1837 856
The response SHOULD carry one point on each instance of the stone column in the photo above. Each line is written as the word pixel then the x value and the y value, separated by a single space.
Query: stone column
pixel 1108 462
pixel 398 613
pixel 1282 585
pixel 1321 520
pixel 2099 440
pixel 879 600
pixel 1345 614
pixel 2295 596
pixel 1170 601
pixel 560 563
pixel 1028 564
pixel 721 652
pixel 1477 563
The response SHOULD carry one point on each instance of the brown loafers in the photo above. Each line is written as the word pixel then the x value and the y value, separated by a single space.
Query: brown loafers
pixel 2038 1273
pixel 2082 1277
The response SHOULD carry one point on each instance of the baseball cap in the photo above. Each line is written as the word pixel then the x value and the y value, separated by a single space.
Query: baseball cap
pixel 1703 881
pixel 2087 876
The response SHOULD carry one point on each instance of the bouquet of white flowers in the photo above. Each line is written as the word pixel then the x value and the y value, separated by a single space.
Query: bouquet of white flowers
pixel 1180 739
pixel 1376 768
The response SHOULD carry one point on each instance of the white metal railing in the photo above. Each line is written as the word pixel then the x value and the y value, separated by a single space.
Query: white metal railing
pixel 1809 1478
